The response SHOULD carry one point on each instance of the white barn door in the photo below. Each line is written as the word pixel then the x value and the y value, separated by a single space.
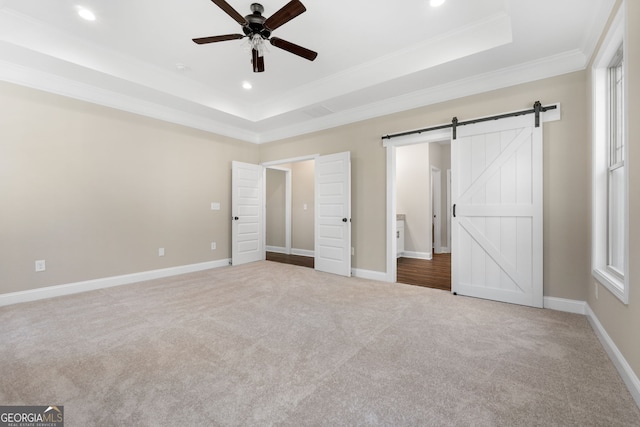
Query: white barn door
pixel 247 215
pixel 497 198
pixel 333 214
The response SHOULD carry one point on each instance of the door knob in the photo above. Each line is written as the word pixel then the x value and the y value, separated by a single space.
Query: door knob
pixel 344 219
pixel 235 217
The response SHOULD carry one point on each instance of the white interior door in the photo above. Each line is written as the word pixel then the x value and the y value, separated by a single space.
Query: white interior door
pixel 333 214
pixel 247 213
pixel 436 211
pixel 497 199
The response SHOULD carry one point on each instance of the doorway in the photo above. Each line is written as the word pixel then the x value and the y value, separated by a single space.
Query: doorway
pixel 496 198
pixel 289 201
pixel 331 199
pixel 394 227
pixel 423 254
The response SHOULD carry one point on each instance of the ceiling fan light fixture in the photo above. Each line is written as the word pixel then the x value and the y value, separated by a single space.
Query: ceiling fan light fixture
pixel 247 85
pixel 86 14
pixel 256 42
pixel 436 3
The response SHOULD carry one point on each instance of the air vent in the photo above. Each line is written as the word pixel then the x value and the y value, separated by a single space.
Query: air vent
pixel 317 111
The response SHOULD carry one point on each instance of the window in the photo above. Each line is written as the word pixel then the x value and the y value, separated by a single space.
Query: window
pixel 610 176
pixel 616 181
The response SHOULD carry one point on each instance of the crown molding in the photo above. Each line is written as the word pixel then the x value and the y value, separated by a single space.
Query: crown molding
pixel 52 83
pixel 551 66
pixel 597 28
pixel 544 68
pixel 480 36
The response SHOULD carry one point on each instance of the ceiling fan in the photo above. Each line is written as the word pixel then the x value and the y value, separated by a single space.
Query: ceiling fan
pixel 258 29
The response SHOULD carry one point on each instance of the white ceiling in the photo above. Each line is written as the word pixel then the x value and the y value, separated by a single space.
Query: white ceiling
pixel 375 57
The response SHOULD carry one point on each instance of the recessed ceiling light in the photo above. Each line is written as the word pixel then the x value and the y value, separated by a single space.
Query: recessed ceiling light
pixel 247 85
pixel 86 14
pixel 436 3
pixel 182 67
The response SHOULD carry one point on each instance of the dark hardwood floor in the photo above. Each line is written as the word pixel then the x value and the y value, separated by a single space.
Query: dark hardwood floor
pixel 435 273
pixel 304 261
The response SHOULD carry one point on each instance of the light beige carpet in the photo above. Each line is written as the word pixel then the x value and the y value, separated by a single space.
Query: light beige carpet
pixel 273 344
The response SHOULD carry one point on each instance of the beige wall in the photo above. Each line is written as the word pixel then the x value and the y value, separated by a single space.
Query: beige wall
pixel 440 157
pixel 413 181
pixel 303 192
pixel 566 173
pixel 95 192
pixel 621 321
pixel 367 176
pixel 275 189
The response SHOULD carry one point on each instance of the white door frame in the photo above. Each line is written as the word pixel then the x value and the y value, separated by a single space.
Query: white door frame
pixel 392 193
pixel 273 164
pixel 436 209
pixel 449 210
pixel 287 207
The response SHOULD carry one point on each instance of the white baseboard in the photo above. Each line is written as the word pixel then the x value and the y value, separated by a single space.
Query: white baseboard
pixel 417 255
pixel 107 282
pixel 568 305
pixel 276 249
pixel 624 369
pixel 369 274
pixel 302 252
pixel 443 250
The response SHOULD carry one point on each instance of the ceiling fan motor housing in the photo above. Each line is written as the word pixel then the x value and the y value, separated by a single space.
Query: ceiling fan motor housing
pixel 256 22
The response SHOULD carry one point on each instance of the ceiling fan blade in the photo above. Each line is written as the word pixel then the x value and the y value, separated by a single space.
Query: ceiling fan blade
pixel 229 10
pixel 284 15
pixel 257 61
pixel 294 48
pixel 214 39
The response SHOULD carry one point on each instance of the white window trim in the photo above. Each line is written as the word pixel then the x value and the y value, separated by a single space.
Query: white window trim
pixel 615 36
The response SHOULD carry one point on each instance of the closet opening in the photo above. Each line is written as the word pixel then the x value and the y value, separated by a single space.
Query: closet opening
pixel 289 200
pixel 423 254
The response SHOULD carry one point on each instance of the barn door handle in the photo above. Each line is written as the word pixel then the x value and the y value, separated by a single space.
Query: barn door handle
pixel 454 210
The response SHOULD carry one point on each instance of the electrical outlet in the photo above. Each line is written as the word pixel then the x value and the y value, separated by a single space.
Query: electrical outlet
pixel 161 252
pixel 41 265
pixel 213 246
pixel 353 251
pixel 215 206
